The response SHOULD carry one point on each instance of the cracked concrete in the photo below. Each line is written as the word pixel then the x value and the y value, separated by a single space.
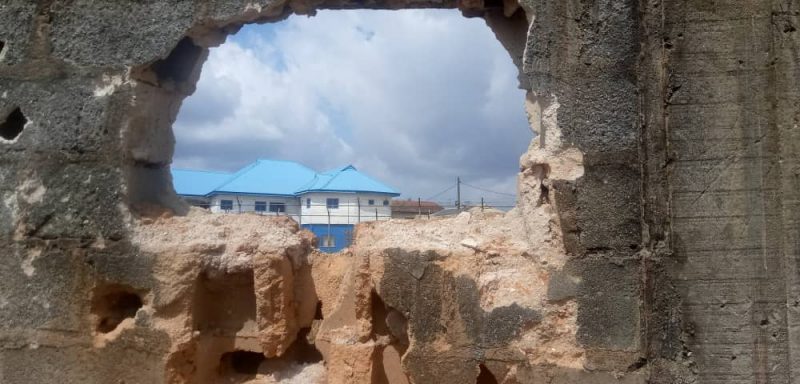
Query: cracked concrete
pixel 655 237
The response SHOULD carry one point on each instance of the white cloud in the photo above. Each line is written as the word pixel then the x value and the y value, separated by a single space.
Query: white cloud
pixel 413 98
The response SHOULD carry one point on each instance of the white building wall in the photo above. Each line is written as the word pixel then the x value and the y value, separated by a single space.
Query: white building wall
pixel 247 203
pixel 348 211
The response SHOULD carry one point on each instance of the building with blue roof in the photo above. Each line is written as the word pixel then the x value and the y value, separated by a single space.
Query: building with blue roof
pixel 329 203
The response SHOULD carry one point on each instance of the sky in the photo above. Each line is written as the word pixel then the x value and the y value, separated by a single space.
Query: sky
pixel 413 98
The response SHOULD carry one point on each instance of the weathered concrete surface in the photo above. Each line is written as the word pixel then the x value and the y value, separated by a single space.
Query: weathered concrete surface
pixel 663 186
pixel 720 114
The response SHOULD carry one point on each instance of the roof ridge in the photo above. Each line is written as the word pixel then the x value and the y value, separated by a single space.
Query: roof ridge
pixel 379 182
pixel 264 173
pixel 339 172
pixel 237 175
pixel 305 187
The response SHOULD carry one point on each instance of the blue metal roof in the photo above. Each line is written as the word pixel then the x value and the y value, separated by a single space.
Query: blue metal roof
pixel 347 179
pixel 197 183
pixel 276 177
pixel 268 177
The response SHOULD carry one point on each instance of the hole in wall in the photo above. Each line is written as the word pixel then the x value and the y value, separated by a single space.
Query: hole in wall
pixel 388 325
pixel 240 363
pixel 185 55
pixel 485 376
pixel 318 311
pixel 174 71
pixel 303 350
pixel 387 321
pixel 112 304
pixel 379 313
pixel 224 303
pixel 13 125
pixel 301 355
pixel 2 52
pixel 354 116
pixel 638 364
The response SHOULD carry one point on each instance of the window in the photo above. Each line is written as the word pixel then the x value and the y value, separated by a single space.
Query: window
pixel 328 241
pixel 261 206
pixel 386 203
pixel 308 203
pixel 332 203
pixel 371 202
pixel 277 207
pixel 226 205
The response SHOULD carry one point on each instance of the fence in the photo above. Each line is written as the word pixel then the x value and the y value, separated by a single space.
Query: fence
pixel 350 212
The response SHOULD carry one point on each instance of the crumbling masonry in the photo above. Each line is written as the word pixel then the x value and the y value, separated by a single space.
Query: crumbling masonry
pixel 655 239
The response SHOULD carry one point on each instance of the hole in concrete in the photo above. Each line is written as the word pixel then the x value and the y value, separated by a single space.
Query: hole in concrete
pixel 224 303
pixel 485 376
pixel 637 365
pixel 240 363
pixel 318 311
pixel 389 323
pixel 303 350
pixel 13 125
pixel 111 304
pixel 342 117
pixel 174 67
pixel 301 354
pixel 544 198
pixel 379 313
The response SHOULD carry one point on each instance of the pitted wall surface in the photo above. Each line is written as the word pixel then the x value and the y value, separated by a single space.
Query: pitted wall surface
pixel 655 237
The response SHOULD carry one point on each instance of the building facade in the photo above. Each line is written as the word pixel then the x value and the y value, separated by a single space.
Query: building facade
pixel 328 203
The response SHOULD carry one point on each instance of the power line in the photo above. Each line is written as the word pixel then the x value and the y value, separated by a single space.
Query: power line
pixel 488 190
pixel 440 193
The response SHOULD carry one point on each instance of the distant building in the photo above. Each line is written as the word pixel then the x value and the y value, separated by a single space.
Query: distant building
pixel 328 203
pixel 409 209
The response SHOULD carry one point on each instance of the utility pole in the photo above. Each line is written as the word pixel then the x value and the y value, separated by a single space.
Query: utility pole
pixel 458 193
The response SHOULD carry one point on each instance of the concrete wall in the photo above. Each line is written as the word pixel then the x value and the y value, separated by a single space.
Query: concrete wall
pixel 348 211
pixel 247 203
pixel 720 122
pixel 341 234
pixel 667 155
pixel 317 213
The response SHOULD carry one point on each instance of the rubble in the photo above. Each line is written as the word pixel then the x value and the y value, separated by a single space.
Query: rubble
pixel 248 298
pixel 654 238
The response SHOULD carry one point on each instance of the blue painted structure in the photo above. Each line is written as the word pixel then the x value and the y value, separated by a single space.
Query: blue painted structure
pixel 342 235
pixel 197 183
pixel 345 179
pixel 292 186
pixel 275 178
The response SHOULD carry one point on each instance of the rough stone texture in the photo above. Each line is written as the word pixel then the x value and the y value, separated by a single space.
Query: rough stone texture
pixel 655 237
pixel 721 116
